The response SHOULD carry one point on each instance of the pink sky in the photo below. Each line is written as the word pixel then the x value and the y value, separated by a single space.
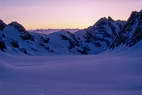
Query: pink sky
pixel 35 14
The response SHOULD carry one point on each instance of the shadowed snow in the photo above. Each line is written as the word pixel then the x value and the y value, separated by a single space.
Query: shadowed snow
pixel 72 75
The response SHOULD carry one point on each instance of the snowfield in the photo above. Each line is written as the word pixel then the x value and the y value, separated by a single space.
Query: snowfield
pixel 104 74
pixel 47 64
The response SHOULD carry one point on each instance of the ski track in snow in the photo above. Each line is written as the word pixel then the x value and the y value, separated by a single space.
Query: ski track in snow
pixel 71 75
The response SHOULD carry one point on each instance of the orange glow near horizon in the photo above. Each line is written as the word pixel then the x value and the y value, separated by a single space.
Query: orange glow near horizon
pixel 62 14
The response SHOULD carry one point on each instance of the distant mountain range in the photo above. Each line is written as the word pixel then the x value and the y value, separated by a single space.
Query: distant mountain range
pixel 105 34
pixel 48 31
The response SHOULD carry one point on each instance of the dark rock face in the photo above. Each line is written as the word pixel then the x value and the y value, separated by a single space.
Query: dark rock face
pixel 15 44
pixel 132 31
pixel 27 36
pixel 2 25
pixel 2 46
pixel 102 33
pixel 106 30
pixel 134 28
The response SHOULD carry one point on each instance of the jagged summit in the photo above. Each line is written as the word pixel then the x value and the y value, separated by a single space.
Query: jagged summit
pixel 135 14
pixel 105 34
pixel 134 28
pixel 103 21
pixel 131 34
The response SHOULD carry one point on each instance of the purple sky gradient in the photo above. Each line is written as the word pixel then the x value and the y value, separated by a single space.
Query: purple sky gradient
pixel 35 14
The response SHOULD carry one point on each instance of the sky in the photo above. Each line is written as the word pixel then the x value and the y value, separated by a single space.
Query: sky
pixel 44 14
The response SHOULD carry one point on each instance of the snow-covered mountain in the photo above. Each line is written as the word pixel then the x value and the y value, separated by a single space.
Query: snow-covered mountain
pixel 105 34
pixel 99 37
pixel 131 34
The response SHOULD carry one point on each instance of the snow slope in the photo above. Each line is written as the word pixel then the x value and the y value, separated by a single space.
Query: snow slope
pixel 71 75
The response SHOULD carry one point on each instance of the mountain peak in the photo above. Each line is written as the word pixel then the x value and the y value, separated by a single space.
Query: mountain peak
pixel 18 26
pixel 103 20
pixel 109 18
pixel 135 14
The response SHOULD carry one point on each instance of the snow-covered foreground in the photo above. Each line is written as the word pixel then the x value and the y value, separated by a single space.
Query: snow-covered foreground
pixel 71 75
